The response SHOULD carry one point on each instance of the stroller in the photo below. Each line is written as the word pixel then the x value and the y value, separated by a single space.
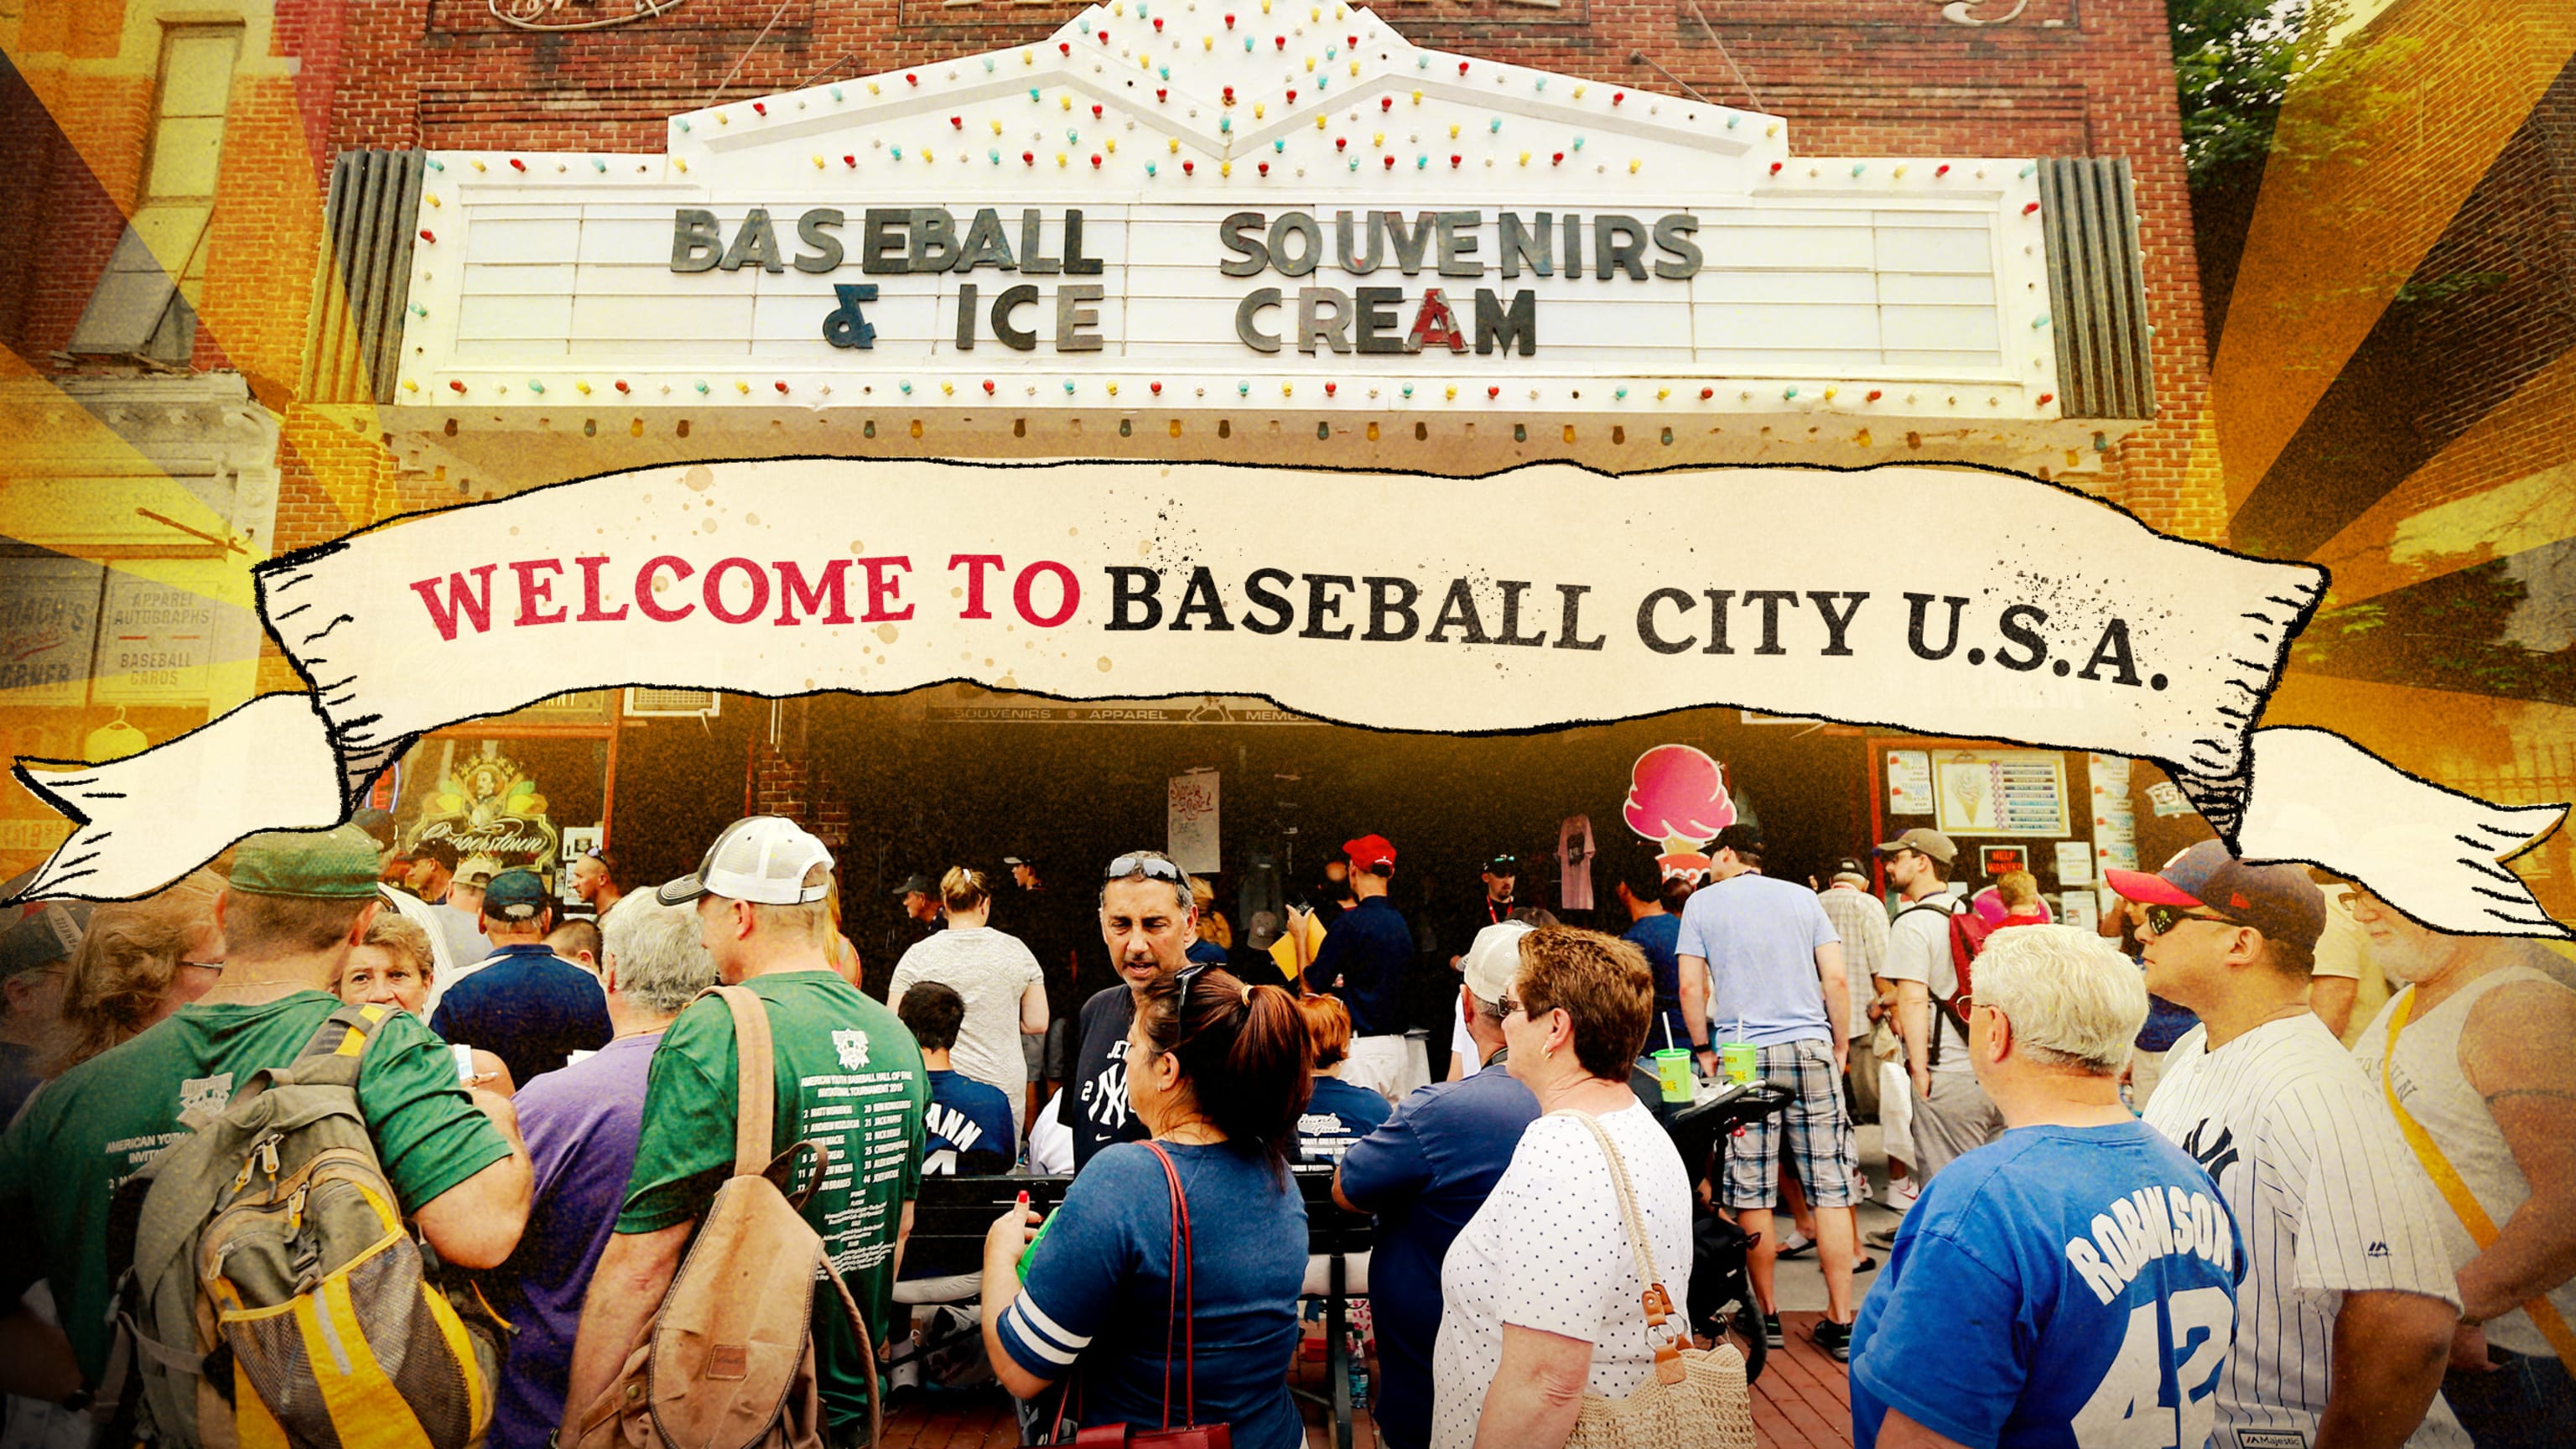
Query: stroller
pixel 1721 1303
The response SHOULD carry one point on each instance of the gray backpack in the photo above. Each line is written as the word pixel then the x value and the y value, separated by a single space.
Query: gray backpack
pixel 271 1294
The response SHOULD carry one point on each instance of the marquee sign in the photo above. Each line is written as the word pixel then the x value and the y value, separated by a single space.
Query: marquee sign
pixel 1180 206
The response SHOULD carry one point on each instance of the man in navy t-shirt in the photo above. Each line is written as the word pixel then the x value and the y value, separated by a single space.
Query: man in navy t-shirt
pixel 1366 952
pixel 1424 1174
pixel 2074 1282
pixel 966 1130
pixel 524 1004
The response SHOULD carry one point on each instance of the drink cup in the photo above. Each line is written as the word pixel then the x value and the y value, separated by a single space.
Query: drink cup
pixel 1741 1060
pixel 1673 1070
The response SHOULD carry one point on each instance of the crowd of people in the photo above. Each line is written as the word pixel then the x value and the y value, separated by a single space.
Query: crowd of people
pixel 2147 1192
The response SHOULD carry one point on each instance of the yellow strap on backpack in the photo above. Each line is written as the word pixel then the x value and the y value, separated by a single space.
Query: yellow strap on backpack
pixel 2464 1203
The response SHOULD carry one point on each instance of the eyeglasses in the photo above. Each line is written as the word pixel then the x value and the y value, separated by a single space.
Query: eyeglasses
pixel 2161 919
pixel 216 967
pixel 1152 867
pixel 1181 979
pixel 1511 1007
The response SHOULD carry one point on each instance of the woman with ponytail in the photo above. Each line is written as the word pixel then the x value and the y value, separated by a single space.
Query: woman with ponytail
pixel 1217 1071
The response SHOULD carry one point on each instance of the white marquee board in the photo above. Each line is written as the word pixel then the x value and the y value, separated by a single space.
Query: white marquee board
pixel 1773 284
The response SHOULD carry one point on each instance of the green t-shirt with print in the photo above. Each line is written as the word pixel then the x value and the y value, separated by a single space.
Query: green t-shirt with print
pixel 99 1123
pixel 849 1077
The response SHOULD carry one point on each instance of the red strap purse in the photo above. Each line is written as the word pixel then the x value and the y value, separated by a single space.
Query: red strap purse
pixel 1192 1434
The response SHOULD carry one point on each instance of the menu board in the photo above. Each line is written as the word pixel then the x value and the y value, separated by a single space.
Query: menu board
pixel 2000 792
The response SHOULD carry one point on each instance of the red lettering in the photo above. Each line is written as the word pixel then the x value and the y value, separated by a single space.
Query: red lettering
pixel 1066 583
pixel 680 571
pixel 714 591
pixel 475 607
pixel 792 590
pixel 590 610
pixel 536 593
pixel 975 563
pixel 884 591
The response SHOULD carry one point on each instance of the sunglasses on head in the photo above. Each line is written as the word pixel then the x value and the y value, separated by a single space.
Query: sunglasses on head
pixel 2161 919
pixel 1152 867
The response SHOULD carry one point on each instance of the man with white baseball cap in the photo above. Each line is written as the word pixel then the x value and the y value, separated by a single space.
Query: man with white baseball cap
pixel 850 1078
pixel 1424 1173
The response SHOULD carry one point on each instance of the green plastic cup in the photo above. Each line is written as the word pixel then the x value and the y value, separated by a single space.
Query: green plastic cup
pixel 1673 1070
pixel 1742 1061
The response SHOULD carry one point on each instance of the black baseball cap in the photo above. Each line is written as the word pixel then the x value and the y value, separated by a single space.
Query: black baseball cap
pixel 917 884
pixel 1504 864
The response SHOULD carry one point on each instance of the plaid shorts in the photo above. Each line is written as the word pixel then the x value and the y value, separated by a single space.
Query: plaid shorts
pixel 1817 1127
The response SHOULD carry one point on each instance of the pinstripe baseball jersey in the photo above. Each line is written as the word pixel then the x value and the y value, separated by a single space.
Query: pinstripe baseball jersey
pixel 2328 1201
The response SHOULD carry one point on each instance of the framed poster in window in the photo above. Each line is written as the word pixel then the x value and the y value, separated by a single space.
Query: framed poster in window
pixel 1999 792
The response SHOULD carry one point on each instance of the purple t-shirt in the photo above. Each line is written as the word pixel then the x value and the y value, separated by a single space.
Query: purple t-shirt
pixel 581 1123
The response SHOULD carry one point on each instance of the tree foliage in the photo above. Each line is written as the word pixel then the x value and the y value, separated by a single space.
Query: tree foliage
pixel 2233 62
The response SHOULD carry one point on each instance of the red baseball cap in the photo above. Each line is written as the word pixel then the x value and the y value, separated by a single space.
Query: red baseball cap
pixel 1369 851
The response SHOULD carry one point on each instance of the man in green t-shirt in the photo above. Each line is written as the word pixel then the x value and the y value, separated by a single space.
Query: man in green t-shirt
pixel 849 1077
pixel 298 903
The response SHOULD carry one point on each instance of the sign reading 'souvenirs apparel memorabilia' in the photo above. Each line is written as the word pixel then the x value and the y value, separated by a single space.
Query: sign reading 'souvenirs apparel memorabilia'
pixel 1191 208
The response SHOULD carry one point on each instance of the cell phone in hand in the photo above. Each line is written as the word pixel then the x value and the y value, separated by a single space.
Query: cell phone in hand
pixel 464 1063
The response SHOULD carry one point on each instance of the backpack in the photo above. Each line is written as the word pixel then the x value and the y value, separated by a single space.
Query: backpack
pixel 728 1360
pixel 271 1294
pixel 1968 933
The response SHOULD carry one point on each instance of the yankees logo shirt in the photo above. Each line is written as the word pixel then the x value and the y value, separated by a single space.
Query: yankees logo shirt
pixel 2327 1200
pixel 1095 1104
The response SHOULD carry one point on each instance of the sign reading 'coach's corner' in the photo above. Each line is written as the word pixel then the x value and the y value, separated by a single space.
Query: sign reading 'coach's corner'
pixel 1200 210
pixel 931 240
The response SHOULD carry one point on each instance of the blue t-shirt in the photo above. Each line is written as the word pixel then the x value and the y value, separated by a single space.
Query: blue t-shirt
pixel 1365 954
pixel 1338 1115
pixel 1099 1291
pixel 1424 1174
pixel 1207 953
pixel 1759 937
pixel 1658 937
pixel 966 1119
pixel 2048 1290
pixel 527 1006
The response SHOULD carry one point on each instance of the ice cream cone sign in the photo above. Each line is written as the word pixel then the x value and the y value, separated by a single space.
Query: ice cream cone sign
pixel 1677 797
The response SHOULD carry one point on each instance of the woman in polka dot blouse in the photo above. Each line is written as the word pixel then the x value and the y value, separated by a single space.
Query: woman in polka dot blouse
pixel 1542 1301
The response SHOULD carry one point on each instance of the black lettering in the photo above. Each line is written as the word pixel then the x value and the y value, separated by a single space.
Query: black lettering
pixel 1409 247
pixel 1129 585
pixel 1261 589
pixel 696 243
pixel 985 245
pixel 883 247
pixel 1458 611
pixel 1314 325
pixel 1512 590
pixel 1296 224
pixel 1075 263
pixel 1252 336
pixel 1618 245
pixel 1321 605
pixel 934 240
pixel 1646 632
pixel 1921 604
pixel 1673 234
pixel 1457 233
pixel 1386 602
pixel 1356 266
pixel 1496 327
pixel 755 243
pixel 2016 626
pixel 1071 316
pixel 1201 599
pixel 2112 649
pixel 827 247
pixel 965 316
pixel 1836 621
pixel 1534 246
pixel 1375 314
pixel 1717 601
pixel 1770 600
pixel 1033 258
pixel 1011 299
pixel 1567 626
pixel 1251 253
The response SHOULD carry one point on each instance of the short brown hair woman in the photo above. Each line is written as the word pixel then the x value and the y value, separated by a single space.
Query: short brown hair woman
pixel 395 967
pixel 1217 1071
pixel 1541 1299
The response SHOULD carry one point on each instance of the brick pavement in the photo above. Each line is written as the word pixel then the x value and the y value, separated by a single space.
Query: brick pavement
pixel 1802 1401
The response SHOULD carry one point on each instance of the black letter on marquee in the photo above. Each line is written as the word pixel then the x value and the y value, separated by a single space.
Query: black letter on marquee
pixel 695 241
pixel 846 326
pixel 1015 338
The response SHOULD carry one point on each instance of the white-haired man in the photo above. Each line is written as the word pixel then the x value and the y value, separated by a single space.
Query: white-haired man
pixel 760 901
pixel 2073 1281
pixel 582 1123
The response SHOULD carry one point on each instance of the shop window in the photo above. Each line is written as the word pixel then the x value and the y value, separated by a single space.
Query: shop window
pixel 146 301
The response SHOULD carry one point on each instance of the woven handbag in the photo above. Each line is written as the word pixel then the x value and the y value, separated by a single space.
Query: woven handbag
pixel 1697 1398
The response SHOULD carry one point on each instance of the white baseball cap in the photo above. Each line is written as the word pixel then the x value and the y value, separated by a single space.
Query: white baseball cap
pixel 1494 960
pixel 763 859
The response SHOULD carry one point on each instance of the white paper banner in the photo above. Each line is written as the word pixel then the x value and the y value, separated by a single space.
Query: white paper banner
pixel 1940 599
